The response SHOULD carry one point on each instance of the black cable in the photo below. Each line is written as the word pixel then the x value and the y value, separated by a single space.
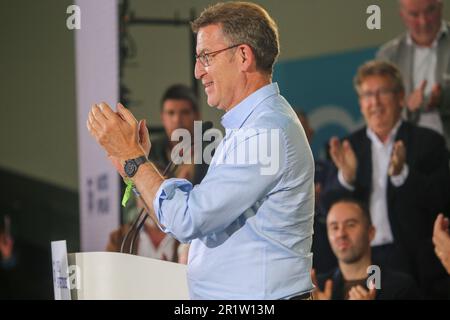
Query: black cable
pixel 133 226
pixel 167 169
pixel 138 229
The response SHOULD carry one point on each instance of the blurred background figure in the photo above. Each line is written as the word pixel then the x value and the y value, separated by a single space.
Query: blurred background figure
pixel 24 268
pixel 151 241
pixel 422 54
pixel 350 232
pixel 179 110
pixel 323 258
pixel 400 170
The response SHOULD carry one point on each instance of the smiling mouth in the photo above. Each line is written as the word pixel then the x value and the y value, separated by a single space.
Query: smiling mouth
pixel 376 113
pixel 208 84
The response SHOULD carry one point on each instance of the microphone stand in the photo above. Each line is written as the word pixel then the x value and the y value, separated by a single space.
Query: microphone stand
pixel 139 221
pixel 138 230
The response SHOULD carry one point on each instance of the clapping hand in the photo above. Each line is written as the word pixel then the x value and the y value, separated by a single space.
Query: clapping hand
pixel 318 294
pixel 344 158
pixel 441 240
pixel 398 159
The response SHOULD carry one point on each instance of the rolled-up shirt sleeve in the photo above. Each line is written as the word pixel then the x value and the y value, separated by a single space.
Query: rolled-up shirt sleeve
pixel 171 189
pixel 188 212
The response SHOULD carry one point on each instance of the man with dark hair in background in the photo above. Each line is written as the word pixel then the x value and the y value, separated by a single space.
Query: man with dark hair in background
pixel 179 110
pixel 350 232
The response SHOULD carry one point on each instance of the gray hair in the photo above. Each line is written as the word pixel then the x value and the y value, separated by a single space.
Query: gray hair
pixel 245 23
pixel 379 68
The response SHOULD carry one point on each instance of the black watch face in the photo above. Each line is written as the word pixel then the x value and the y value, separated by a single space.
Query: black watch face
pixel 130 168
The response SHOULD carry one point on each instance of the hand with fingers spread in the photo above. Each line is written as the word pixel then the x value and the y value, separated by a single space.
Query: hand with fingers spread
pixel 398 159
pixel 118 133
pixel 344 158
pixel 416 98
pixel 441 240
pixel 326 294
pixel 359 293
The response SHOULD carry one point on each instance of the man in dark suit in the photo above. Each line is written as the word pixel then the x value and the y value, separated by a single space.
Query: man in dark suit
pixel 400 170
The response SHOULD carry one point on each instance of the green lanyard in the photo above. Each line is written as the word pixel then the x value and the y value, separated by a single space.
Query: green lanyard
pixel 127 193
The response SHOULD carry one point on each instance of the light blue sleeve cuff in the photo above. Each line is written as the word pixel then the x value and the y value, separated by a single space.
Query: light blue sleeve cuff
pixel 344 183
pixel 400 179
pixel 166 192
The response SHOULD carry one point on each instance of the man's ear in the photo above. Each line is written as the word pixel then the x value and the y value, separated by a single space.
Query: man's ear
pixel 246 58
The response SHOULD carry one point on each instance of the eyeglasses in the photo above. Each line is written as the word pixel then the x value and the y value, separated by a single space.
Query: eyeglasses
pixel 383 93
pixel 205 58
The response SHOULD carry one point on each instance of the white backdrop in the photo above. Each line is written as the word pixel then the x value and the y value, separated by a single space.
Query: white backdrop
pixel 97 79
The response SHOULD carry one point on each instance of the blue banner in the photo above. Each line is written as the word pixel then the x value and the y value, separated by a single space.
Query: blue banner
pixel 323 88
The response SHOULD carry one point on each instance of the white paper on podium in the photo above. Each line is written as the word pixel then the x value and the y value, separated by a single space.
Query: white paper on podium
pixel 60 270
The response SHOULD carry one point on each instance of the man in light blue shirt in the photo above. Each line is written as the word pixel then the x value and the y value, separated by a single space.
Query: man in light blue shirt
pixel 250 220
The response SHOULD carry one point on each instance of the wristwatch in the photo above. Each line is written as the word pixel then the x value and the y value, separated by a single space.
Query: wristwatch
pixel 131 166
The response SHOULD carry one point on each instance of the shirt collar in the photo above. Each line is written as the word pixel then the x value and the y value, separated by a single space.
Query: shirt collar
pixel 374 138
pixel 236 116
pixel 443 31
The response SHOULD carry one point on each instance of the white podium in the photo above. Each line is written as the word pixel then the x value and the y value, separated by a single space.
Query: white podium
pixel 113 276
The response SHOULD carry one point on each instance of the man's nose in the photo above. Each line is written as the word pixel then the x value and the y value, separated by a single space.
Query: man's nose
pixel 341 233
pixel 423 20
pixel 377 97
pixel 374 98
pixel 177 120
pixel 199 70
